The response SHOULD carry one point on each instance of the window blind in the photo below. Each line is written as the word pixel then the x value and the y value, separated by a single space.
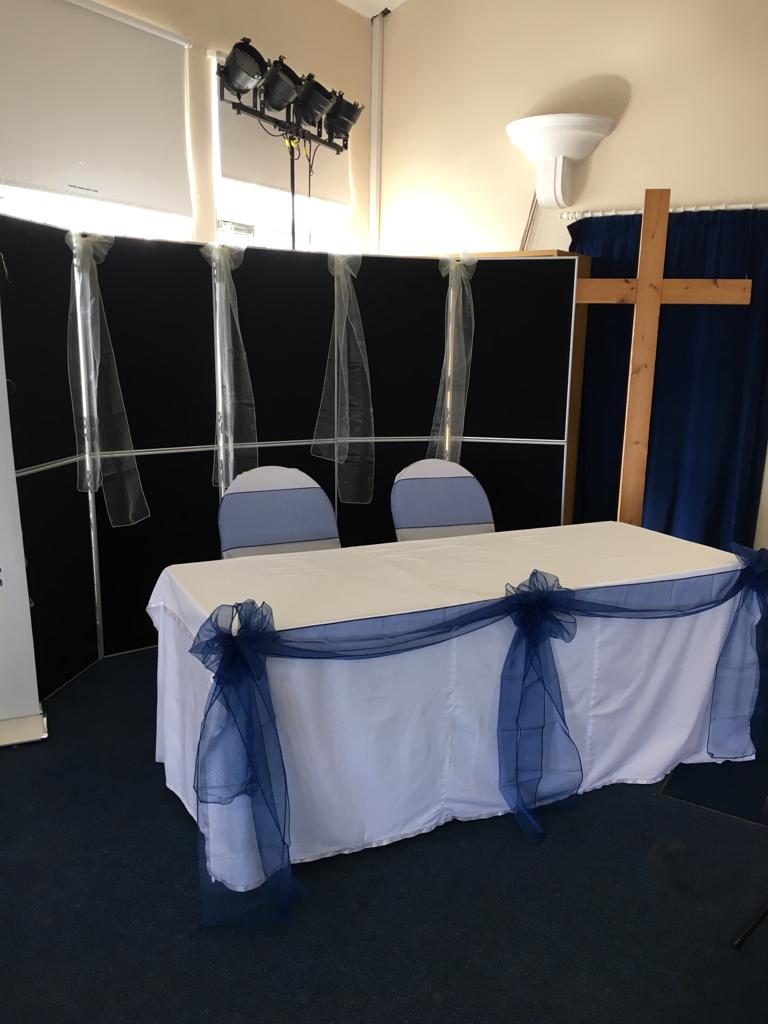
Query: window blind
pixel 93 105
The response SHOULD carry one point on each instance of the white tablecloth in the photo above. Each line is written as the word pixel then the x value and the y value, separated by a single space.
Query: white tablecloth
pixel 382 749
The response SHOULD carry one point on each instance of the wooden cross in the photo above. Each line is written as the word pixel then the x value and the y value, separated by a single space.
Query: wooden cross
pixel 648 292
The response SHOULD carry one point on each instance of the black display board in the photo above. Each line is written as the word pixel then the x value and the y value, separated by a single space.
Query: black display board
pixel 518 386
pixel 35 274
pixel 372 524
pixel 182 527
pixel 158 301
pixel 523 481
pixel 286 317
pixel 286 303
pixel 57 548
pixel 402 303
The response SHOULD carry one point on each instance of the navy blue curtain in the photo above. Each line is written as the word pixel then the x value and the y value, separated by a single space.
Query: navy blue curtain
pixel 709 422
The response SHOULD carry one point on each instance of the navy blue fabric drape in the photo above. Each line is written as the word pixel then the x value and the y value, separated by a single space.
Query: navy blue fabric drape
pixel 239 756
pixel 710 409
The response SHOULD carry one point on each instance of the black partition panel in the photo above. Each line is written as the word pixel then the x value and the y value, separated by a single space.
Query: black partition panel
pixel 372 524
pixel 57 548
pixel 286 304
pixel 402 304
pixel 521 358
pixel 285 301
pixel 182 527
pixel 523 481
pixel 35 273
pixel 157 299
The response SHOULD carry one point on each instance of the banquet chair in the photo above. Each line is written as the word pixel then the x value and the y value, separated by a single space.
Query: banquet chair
pixel 435 498
pixel 273 510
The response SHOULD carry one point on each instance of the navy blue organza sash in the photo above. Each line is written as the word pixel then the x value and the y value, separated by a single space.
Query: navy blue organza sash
pixel 239 755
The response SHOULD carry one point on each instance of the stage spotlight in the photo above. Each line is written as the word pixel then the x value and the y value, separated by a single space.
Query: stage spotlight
pixel 314 100
pixel 243 69
pixel 281 85
pixel 341 117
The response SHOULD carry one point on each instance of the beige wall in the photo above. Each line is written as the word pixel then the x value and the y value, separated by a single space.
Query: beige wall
pixel 314 35
pixel 689 79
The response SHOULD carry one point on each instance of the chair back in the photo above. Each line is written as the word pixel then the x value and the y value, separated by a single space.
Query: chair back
pixel 274 509
pixel 435 498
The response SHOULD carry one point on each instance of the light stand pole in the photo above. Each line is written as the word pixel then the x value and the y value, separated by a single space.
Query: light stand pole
pixel 290 127
pixel 293 193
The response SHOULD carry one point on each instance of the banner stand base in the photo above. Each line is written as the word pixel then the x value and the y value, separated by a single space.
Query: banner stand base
pixel 23 730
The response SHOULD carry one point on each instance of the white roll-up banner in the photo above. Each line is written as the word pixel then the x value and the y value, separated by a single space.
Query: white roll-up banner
pixel 20 717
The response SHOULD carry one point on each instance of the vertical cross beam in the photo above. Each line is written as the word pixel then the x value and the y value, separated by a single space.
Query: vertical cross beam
pixel 642 360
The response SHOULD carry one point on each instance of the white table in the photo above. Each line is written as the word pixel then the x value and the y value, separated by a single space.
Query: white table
pixel 383 749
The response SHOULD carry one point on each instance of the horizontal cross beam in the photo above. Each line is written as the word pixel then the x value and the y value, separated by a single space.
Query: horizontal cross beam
pixel 680 291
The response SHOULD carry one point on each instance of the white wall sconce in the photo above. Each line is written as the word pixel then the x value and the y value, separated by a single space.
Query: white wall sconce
pixel 553 143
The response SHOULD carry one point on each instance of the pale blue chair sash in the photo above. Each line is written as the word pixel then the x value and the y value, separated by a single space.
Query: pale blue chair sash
pixel 433 498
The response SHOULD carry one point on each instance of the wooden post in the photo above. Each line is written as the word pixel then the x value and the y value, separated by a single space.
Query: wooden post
pixel 642 359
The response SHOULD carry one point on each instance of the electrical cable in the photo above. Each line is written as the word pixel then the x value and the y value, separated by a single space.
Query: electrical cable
pixel 275 135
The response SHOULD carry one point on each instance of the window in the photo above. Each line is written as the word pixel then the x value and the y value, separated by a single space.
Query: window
pixel 102 218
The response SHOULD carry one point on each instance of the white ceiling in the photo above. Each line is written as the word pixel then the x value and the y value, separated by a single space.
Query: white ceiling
pixel 370 8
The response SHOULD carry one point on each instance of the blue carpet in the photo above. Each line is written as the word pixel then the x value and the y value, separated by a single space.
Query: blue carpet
pixel 623 915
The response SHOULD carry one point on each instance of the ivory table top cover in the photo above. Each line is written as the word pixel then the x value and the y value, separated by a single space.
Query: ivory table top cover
pixel 313 587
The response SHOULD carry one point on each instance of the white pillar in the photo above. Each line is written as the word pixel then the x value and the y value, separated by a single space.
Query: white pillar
pixel 376 115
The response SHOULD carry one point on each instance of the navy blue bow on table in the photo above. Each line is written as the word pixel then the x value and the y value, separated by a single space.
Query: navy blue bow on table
pixel 755 572
pixel 239 752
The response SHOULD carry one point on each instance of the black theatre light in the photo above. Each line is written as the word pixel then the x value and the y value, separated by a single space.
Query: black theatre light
pixel 281 85
pixel 314 100
pixel 341 117
pixel 243 69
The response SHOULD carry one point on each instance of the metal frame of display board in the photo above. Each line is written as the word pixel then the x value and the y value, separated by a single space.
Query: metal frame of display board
pixel 568 443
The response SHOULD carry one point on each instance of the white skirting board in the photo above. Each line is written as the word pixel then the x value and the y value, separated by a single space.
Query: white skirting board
pixel 21 718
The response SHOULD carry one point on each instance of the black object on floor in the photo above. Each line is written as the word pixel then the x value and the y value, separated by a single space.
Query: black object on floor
pixel 760 915
pixel 738 788
pixel 622 916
